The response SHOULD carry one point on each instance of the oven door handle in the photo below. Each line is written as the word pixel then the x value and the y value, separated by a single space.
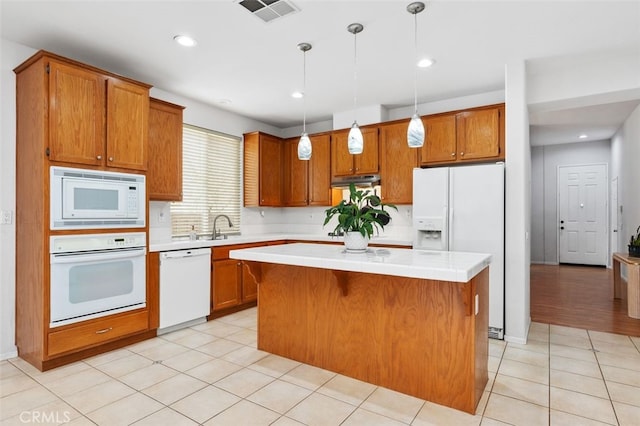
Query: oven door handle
pixel 98 255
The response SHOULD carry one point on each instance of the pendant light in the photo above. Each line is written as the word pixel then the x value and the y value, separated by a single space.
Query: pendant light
pixel 415 132
pixel 304 144
pixel 355 141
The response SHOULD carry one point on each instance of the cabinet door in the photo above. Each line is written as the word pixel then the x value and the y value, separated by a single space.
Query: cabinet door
pixel 320 171
pixel 440 140
pixel 295 174
pixel 341 160
pixel 164 174
pixel 76 114
pixel 478 134
pixel 397 161
pixel 367 162
pixel 225 284
pixel 127 124
pixel 249 285
pixel 270 171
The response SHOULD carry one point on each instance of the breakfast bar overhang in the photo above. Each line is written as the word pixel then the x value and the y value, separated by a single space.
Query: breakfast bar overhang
pixel 412 321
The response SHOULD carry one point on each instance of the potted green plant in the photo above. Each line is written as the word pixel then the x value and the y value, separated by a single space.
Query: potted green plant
pixel 634 244
pixel 359 217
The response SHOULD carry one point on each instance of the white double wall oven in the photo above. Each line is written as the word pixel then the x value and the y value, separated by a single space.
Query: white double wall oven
pixel 94 274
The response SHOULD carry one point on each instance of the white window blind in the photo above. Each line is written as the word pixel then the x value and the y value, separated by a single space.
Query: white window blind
pixel 210 182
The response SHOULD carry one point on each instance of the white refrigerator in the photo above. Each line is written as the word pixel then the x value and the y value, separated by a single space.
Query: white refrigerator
pixel 462 209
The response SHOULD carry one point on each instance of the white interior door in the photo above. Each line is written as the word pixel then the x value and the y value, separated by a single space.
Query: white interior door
pixel 582 214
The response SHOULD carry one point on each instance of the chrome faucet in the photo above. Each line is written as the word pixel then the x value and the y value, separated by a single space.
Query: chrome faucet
pixel 216 233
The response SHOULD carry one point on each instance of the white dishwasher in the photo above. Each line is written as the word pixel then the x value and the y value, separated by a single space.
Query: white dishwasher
pixel 185 277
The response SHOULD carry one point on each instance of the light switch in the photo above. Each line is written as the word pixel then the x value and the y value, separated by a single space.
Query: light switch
pixel 6 217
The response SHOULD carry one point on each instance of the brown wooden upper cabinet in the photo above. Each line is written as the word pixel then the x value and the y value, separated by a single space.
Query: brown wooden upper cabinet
pixel 308 183
pixel 397 162
pixel 296 180
pixel 164 175
pixel 96 118
pixel 465 136
pixel 262 170
pixel 345 164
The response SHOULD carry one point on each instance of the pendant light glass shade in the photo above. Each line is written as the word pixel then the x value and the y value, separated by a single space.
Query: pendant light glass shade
pixel 415 132
pixel 304 144
pixel 355 140
pixel 304 147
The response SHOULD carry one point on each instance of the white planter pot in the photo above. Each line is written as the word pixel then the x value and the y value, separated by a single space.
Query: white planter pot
pixel 354 241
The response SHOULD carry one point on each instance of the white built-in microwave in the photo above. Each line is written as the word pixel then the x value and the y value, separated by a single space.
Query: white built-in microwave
pixel 86 199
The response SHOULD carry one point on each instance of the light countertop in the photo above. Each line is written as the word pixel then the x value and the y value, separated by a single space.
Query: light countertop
pixel 435 265
pixel 184 244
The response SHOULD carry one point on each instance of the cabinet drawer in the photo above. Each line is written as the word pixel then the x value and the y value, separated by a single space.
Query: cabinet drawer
pixel 97 332
pixel 222 252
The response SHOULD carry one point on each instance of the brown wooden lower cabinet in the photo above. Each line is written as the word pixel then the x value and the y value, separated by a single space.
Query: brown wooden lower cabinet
pixel 232 287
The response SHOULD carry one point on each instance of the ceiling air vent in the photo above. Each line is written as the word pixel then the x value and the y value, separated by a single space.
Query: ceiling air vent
pixel 269 10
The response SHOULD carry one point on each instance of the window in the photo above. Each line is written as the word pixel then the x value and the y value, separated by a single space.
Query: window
pixel 210 182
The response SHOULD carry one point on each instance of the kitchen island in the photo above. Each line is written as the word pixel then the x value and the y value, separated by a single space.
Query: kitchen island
pixel 412 321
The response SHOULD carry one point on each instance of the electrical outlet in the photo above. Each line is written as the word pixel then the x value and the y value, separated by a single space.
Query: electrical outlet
pixel 6 217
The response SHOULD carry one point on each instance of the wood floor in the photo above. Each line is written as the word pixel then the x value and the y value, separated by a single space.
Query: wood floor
pixel 581 297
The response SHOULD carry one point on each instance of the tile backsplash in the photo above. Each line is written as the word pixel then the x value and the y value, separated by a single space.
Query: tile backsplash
pixel 295 220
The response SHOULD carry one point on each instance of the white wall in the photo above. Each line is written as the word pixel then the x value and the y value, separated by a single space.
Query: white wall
pixel 581 80
pixel 544 163
pixel 11 55
pixel 517 204
pixel 625 153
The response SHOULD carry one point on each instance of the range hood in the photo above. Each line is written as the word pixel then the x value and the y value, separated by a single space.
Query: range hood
pixel 360 181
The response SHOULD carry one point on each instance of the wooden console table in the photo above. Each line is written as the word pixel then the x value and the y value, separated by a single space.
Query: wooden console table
pixel 631 291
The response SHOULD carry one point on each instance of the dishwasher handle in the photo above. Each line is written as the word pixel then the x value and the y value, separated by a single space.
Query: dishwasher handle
pixel 178 254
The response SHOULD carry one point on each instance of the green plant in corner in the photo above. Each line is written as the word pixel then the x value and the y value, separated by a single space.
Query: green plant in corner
pixel 364 213
pixel 634 244
pixel 635 239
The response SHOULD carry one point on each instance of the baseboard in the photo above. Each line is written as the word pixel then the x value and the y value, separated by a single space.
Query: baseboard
pixel 11 354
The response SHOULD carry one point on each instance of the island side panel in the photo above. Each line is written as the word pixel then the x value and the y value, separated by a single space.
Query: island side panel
pixel 481 345
pixel 411 335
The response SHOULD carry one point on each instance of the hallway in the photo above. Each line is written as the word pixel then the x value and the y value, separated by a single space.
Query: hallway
pixel 580 297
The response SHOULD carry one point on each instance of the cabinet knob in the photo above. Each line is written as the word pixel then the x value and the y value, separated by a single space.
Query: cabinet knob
pixel 98 157
pixel 462 153
pixel 110 158
pixel 357 168
pixel 453 154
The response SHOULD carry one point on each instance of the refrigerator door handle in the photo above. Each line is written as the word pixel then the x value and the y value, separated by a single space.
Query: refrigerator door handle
pixel 446 242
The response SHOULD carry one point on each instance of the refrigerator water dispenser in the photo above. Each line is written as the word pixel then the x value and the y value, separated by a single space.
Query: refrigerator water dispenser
pixel 430 233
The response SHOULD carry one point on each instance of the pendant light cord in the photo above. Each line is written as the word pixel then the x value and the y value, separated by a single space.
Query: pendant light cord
pixel 355 75
pixel 304 91
pixel 415 66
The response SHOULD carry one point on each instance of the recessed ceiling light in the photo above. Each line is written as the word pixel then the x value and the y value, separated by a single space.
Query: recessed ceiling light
pixel 185 40
pixel 582 136
pixel 297 95
pixel 426 62
pixel 223 101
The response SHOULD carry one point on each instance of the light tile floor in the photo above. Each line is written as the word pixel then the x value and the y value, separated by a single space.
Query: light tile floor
pixel 212 374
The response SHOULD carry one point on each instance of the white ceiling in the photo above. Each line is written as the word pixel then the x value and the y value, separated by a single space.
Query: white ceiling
pixel 256 65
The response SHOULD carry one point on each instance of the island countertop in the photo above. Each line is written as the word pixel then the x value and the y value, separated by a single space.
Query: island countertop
pixel 433 265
